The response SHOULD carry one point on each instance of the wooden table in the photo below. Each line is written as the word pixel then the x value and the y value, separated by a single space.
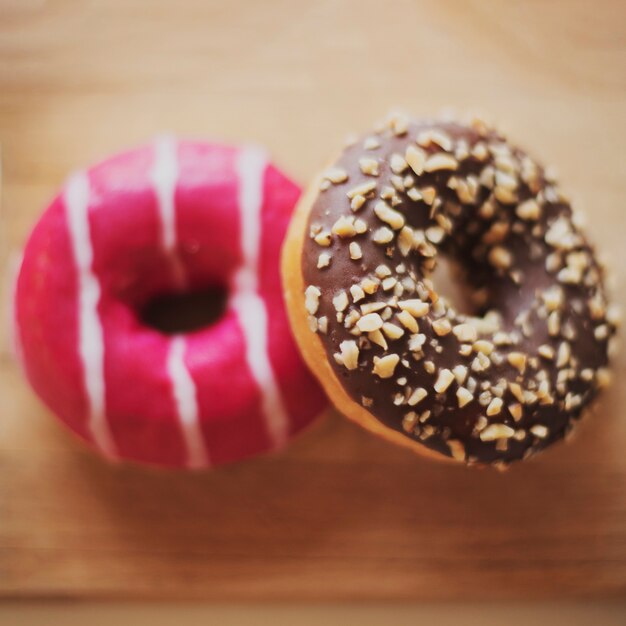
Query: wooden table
pixel 340 515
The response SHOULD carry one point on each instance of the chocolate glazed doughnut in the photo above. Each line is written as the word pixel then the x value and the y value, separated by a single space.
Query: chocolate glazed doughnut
pixel 394 355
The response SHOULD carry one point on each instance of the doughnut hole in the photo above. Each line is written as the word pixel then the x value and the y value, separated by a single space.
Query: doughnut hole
pixel 177 313
pixel 448 281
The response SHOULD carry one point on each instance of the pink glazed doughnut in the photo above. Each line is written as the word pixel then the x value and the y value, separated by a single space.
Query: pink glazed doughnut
pixel 171 217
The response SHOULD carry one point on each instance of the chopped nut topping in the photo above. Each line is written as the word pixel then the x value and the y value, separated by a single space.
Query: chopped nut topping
pixel 369 322
pixel 481 363
pixel 435 234
pixel 416 308
pixel 539 430
pixel 405 240
pixel 505 195
pixel 546 351
pixel 517 392
pixel 397 183
pixel 429 194
pixel 416 342
pixel 408 321
pixel 344 227
pixel 384 367
pixel 357 293
pixel 323 239
pixel 517 360
pixel 369 166
pixel 442 326
pixel 461 151
pixel 457 450
pixel 465 333
pixel 390 216
pixel 371 143
pixel 466 190
pixel 496 233
pixel 376 337
pixel 504 180
pixel 500 257
pixel 601 332
pixel 427 137
pixel 464 396
pixel 382 235
pixel 349 354
pixel 416 159
pixel 323 260
pixel 604 377
pixel 340 301
pixel 322 324
pixel 444 380
pixel 351 318
pixel 554 324
pixel 414 194
pixel 440 161
pixel 417 396
pixel 553 262
pixel 516 411
pixel 487 177
pixel 529 210
pixel 553 298
pixel 429 367
pixel 560 235
pixel 389 283
pixel 495 406
pixel 399 124
pixel 360 226
pixel 460 373
pixel 382 271
pixel 614 315
pixel 312 299
pixel 484 346
pixel 362 190
pixel 357 202
pixel 480 152
pixel 355 251
pixel 569 276
pixel 563 355
pixel 336 175
pixel 494 432
pixel 409 421
pixel 397 163
pixel 369 286
pixel 392 331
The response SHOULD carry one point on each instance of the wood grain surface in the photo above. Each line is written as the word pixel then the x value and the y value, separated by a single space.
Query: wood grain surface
pixel 340 515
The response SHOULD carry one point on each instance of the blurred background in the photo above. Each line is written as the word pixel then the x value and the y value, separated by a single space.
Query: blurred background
pixel 340 519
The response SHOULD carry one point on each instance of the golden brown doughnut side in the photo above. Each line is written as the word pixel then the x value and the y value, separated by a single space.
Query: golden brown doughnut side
pixel 492 387
pixel 310 344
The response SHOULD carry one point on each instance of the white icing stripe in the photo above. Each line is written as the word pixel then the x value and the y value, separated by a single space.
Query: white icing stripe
pixel 90 333
pixel 250 308
pixel 253 319
pixel 164 174
pixel 186 404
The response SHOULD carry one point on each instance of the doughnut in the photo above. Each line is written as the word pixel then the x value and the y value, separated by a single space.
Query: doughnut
pixel 171 217
pixel 489 386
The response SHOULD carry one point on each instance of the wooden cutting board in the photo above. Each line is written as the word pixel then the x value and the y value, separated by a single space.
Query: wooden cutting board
pixel 340 515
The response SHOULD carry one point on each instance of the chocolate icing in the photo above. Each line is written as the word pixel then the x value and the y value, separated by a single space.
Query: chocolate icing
pixel 529 266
